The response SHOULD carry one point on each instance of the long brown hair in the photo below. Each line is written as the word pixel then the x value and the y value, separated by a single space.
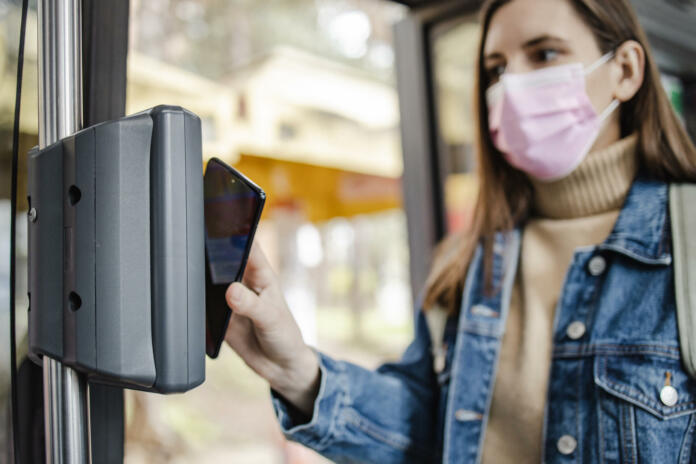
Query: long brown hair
pixel 504 200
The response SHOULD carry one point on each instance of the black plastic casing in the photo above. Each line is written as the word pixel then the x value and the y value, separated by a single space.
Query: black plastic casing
pixel 116 252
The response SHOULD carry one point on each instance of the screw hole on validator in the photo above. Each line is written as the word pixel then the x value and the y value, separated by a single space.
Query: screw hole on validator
pixel 74 195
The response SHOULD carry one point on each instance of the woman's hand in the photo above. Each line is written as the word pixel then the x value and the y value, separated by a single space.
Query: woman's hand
pixel 264 334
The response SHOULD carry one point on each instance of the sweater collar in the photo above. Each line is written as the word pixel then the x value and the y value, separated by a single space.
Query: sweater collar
pixel 600 184
pixel 642 231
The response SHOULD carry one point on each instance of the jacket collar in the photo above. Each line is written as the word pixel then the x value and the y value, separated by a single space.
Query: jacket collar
pixel 642 231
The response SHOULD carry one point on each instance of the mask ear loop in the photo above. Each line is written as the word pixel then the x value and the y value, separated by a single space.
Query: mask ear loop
pixel 609 110
pixel 607 57
pixel 593 67
pixel 614 103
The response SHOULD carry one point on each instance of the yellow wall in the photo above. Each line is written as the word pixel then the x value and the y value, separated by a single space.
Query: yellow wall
pixel 321 193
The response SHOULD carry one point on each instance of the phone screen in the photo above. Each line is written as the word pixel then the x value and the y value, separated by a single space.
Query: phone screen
pixel 233 206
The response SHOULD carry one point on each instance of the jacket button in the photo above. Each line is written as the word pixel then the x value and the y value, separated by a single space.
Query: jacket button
pixel 566 444
pixel 576 330
pixel 597 265
pixel 464 415
pixel 669 396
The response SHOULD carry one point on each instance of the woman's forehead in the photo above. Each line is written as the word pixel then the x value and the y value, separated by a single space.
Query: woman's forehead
pixel 521 21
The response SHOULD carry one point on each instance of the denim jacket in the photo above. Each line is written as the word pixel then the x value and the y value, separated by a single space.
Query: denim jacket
pixel 617 391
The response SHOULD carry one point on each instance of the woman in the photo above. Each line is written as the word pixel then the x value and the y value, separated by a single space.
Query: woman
pixel 560 342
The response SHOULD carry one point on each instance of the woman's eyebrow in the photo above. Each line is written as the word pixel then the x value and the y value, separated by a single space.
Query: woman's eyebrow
pixel 546 38
pixel 494 56
pixel 542 39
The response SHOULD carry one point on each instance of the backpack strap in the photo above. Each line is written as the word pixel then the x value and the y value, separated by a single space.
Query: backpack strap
pixel 683 215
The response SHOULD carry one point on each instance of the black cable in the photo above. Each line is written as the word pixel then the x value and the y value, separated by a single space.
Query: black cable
pixel 13 234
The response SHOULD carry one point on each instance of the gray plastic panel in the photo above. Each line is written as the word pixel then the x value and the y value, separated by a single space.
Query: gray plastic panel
pixel 174 292
pixel 116 265
pixel 196 249
pixel 45 172
pixel 123 325
pixel 78 249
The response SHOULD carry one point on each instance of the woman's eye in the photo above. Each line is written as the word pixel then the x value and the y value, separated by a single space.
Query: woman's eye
pixel 493 73
pixel 548 54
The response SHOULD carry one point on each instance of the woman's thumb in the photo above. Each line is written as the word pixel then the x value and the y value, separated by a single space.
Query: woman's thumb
pixel 246 303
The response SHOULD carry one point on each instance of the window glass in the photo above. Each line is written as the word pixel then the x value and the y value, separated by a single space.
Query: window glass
pixel 10 14
pixel 454 48
pixel 299 96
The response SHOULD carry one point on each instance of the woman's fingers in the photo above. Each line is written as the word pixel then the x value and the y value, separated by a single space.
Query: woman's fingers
pixel 245 302
pixel 240 336
pixel 264 334
pixel 258 274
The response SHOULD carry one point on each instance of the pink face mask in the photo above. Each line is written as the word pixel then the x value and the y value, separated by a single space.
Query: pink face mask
pixel 543 121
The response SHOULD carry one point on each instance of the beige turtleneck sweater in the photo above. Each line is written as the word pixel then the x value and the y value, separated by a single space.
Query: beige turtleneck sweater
pixel 577 211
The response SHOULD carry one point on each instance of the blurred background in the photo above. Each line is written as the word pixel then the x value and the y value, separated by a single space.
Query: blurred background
pixel 353 115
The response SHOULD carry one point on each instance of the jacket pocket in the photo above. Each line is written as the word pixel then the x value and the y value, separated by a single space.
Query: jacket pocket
pixel 646 409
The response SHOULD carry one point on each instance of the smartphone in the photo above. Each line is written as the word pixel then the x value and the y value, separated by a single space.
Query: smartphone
pixel 232 208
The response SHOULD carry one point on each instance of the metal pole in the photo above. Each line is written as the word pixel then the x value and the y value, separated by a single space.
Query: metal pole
pixel 60 69
pixel 60 115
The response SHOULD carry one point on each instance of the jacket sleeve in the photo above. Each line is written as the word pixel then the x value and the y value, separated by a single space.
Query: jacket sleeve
pixel 386 416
